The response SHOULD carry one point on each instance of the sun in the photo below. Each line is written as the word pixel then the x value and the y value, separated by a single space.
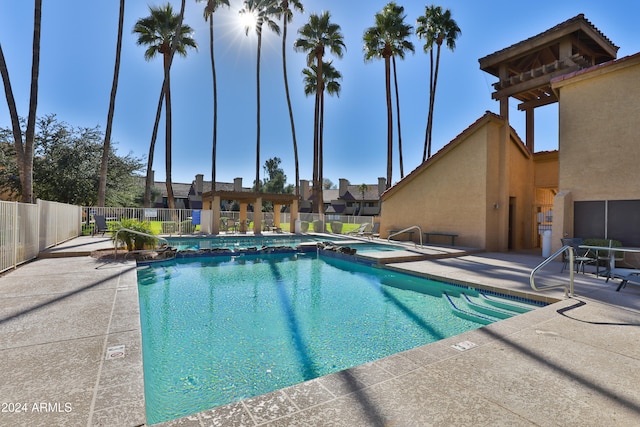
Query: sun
pixel 247 20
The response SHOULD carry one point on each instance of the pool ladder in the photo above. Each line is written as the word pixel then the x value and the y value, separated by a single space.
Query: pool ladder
pixel 413 227
pixel 568 289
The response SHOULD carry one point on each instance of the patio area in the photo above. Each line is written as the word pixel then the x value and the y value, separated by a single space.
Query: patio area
pixel 71 344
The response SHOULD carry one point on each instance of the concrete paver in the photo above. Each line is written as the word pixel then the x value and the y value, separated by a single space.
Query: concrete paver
pixel 573 362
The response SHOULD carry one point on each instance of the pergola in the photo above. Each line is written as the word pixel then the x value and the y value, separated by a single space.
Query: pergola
pixel 525 69
pixel 211 201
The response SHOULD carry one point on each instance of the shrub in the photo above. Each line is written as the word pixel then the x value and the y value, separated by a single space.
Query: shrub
pixel 304 226
pixel 318 226
pixel 134 241
pixel 336 227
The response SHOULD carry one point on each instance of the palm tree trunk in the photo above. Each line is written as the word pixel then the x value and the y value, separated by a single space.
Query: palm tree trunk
pixel 317 185
pixel 433 98
pixel 426 133
pixel 27 190
pixel 286 90
pixel 321 154
pixel 167 100
pixel 15 120
pixel 152 148
pixel 316 127
pixel 257 182
pixel 102 186
pixel 395 79
pixel 387 75
pixel 215 106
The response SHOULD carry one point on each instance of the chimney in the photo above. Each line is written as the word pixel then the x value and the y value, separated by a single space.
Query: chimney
pixel 344 185
pixel 199 183
pixel 304 189
pixel 237 184
pixel 382 185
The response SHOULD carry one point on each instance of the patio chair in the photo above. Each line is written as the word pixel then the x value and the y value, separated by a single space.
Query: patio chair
pixel 580 256
pixel 375 232
pixel 360 231
pixel 100 225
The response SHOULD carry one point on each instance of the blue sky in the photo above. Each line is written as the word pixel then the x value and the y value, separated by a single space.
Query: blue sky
pixel 76 68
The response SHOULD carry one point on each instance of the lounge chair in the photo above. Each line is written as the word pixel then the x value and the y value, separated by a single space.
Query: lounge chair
pixel 375 232
pixel 360 231
pixel 100 225
pixel 580 256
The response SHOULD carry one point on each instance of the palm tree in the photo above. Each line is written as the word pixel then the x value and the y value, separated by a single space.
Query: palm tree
pixel 209 9
pixel 386 39
pixel 102 186
pixel 287 16
pixel 262 11
pixel 24 152
pixel 436 26
pixel 316 36
pixel 164 33
pixel 362 189
pixel 330 77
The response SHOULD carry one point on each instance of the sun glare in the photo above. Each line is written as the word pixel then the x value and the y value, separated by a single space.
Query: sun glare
pixel 247 20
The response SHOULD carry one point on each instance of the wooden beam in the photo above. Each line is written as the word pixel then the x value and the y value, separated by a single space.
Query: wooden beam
pixel 537 103
pixel 536 83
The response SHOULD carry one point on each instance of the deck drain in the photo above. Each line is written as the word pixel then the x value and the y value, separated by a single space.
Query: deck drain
pixel 464 345
pixel 116 352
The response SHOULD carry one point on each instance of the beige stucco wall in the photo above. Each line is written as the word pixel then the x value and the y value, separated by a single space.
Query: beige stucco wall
pixel 599 130
pixel 467 187
pixel 448 195
pixel 599 151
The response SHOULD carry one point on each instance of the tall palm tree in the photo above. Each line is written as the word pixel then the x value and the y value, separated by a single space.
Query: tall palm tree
pixel 209 9
pixel 386 39
pixel 24 152
pixel 330 77
pixel 262 11
pixel 106 148
pixel 287 16
pixel 316 36
pixel 435 26
pixel 163 32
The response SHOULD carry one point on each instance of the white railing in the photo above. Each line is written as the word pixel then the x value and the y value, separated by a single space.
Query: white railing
pixel 26 229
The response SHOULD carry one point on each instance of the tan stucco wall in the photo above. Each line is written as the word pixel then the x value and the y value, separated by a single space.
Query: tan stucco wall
pixel 449 195
pixel 599 130
pixel 599 145
pixel 466 189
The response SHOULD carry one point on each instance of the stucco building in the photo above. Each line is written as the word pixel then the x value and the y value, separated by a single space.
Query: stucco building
pixel 492 189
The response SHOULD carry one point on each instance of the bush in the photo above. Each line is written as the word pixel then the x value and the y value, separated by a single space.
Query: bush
pixel 336 227
pixel 318 226
pixel 304 226
pixel 187 226
pixel 134 241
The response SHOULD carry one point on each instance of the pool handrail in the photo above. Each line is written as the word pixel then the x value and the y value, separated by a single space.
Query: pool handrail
pixel 404 231
pixel 568 290
pixel 115 238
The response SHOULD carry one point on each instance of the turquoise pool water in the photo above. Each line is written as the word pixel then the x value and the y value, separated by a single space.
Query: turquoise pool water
pixel 221 329
pixel 237 242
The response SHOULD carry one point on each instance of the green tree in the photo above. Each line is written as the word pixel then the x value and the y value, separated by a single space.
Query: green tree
pixel 327 184
pixel 209 10
pixel 163 32
pixel 362 189
pixel 435 26
pixel 262 11
pixel 332 87
pixel 67 165
pixel 286 14
pixel 276 182
pixel 386 39
pixel 24 151
pixel 102 185
pixel 316 36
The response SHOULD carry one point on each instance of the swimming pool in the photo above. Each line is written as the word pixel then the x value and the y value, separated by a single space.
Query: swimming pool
pixel 239 242
pixel 220 329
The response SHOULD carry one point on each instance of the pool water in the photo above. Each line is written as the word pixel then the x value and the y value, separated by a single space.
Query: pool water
pixel 219 329
pixel 235 242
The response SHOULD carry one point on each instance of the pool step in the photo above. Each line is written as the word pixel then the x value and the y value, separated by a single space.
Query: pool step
pixel 483 309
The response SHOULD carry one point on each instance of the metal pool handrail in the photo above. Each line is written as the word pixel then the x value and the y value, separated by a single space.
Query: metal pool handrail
pixel 568 290
pixel 404 231
pixel 115 239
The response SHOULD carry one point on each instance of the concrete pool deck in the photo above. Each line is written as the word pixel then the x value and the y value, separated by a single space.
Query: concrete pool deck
pixel 63 322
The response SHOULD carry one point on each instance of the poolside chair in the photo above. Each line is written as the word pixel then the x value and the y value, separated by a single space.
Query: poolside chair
pixel 580 256
pixel 360 231
pixel 100 225
pixel 375 232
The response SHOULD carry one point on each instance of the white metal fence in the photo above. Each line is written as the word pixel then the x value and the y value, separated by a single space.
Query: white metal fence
pixel 26 229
